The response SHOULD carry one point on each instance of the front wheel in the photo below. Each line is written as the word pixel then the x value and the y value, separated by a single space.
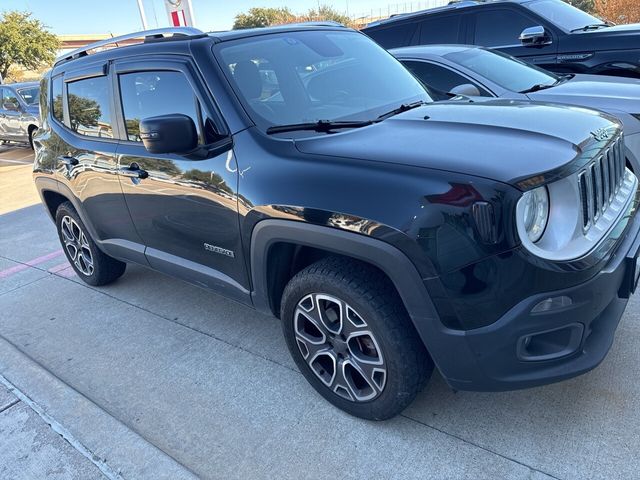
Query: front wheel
pixel 352 339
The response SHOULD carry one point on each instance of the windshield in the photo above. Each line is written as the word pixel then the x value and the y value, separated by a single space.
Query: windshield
pixel 504 70
pixel 300 77
pixel 563 15
pixel 30 95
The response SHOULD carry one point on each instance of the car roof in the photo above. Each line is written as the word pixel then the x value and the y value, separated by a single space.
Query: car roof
pixel 432 50
pixel 20 84
pixel 453 5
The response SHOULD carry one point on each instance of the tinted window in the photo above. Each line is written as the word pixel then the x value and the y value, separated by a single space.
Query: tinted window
pixel 392 37
pixel 323 75
pixel 440 30
pixel 439 80
pixel 149 94
pixel 502 69
pixel 9 100
pixel 497 28
pixel 89 107
pixel 56 96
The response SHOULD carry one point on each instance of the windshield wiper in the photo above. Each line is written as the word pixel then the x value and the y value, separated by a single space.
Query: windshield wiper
pixel 405 107
pixel 319 126
pixel 540 86
pixel 594 26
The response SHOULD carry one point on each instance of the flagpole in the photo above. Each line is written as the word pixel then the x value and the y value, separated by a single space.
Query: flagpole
pixel 142 15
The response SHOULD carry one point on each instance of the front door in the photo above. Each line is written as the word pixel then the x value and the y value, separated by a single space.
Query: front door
pixel 184 208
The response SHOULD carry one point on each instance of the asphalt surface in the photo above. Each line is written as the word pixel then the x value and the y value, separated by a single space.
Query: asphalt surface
pixel 154 378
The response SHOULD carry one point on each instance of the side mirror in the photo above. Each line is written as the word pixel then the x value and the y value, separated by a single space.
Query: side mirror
pixel 534 36
pixel 10 106
pixel 174 133
pixel 466 90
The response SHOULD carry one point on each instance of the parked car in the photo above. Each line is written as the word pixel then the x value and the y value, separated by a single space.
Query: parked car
pixel 450 70
pixel 390 234
pixel 548 33
pixel 19 112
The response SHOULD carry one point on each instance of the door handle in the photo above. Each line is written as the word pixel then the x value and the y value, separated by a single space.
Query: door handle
pixel 68 161
pixel 133 171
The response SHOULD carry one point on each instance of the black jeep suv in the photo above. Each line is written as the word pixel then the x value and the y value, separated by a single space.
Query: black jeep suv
pixel 548 33
pixel 280 167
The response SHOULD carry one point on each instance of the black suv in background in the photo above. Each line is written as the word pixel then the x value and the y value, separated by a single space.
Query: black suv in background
pixel 303 171
pixel 548 33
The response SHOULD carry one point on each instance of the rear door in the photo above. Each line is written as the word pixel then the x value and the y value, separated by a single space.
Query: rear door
pixel 86 165
pixel 184 208
pixel 500 28
pixel 10 115
pixel 441 29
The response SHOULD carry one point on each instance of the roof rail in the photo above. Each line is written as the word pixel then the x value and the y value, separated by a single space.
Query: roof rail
pixel 146 35
pixel 314 23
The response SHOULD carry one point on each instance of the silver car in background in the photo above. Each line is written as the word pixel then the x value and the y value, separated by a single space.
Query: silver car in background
pixel 19 111
pixel 477 73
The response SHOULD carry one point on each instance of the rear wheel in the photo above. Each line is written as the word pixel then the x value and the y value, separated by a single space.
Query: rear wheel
pixel 32 132
pixel 352 339
pixel 89 262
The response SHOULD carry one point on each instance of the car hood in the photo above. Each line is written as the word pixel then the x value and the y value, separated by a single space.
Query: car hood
pixel 610 94
pixel 627 29
pixel 614 38
pixel 503 140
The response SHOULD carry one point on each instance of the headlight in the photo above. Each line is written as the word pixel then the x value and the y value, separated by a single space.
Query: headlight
pixel 535 212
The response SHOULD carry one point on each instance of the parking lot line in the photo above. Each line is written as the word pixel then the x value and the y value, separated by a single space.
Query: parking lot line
pixel 31 263
pixel 19 162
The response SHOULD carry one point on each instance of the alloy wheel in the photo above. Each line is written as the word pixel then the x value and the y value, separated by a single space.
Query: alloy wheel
pixel 339 347
pixel 76 245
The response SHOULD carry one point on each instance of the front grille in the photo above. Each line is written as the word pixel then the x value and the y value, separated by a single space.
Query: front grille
pixel 599 182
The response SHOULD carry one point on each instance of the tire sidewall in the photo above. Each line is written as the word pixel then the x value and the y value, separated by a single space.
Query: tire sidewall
pixel 392 399
pixel 67 210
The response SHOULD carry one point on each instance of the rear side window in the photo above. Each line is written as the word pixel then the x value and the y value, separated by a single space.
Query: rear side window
pixel 440 30
pixel 89 112
pixel 148 94
pixel 500 28
pixel 393 37
pixel 56 99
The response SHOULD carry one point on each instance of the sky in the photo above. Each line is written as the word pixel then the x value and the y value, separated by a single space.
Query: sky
pixel 121 16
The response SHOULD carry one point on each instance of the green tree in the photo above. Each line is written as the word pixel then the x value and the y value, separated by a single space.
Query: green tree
pixel 586 5
pixel 263 17
pixel 325 12
pixel 25 42
pixel 82 112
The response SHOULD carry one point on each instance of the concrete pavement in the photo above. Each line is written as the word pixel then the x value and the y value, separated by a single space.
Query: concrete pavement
pixel 154 378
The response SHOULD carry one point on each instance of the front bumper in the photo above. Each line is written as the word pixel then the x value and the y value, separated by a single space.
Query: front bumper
pixel 524 349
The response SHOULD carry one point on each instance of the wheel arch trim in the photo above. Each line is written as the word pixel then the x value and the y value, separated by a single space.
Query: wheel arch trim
pixel 395 264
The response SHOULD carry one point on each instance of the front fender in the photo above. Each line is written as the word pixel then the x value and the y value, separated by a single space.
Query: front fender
pixel 394 263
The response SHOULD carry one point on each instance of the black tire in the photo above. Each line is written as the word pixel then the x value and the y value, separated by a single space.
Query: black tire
pixel 103 268
pixel 376 306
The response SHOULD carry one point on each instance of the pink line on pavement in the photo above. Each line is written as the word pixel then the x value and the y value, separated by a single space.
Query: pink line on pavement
pixel 31 263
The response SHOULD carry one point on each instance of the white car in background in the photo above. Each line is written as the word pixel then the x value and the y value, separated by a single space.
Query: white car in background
pixel 474 72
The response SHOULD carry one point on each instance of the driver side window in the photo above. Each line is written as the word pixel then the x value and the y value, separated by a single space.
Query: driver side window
pixel 9 100
pixel 149 94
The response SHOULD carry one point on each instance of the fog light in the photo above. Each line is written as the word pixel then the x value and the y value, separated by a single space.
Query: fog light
pixel 553 303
